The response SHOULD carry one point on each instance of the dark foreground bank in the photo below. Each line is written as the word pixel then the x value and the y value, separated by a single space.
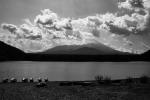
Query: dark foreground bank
pixel 75 91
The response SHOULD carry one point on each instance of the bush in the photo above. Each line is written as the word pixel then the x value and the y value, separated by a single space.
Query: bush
pixel 99 78
pixel 107 80
pixel 104 80
pixel 129 80
pixel 144 79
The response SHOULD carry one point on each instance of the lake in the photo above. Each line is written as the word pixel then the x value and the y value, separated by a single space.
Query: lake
pixel 67 71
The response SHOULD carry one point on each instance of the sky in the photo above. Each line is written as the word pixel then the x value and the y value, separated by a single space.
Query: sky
pixel 14 11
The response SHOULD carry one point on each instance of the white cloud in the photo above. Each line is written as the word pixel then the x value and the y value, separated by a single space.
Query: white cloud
pixel 47 17
pixel 62 23
pixel 125 4
pixel 122 21
pixel 26 28
pixel 146 3
pixel 10 27
pixel 46 23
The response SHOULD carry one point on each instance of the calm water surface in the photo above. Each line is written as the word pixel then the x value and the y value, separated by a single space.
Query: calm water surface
pixel 58 71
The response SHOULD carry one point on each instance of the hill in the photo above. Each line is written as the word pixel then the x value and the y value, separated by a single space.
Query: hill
pixel 65 53
pixel 8 52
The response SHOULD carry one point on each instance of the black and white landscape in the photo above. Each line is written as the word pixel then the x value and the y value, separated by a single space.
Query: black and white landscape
pixel 74 49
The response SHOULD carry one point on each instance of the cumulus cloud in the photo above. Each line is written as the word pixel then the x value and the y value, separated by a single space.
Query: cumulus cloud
pixel 146 3
pixel 48 20
pixel 10 27
pixel 47 17
pixel 48 25
pixel 129 22
pixel 134 4
pixel 125 4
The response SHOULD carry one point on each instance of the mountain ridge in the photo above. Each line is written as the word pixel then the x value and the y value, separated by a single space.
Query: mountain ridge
pixel 9 53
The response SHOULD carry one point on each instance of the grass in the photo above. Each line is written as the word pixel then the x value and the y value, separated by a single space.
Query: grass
pixel 28 91
pixel 53 90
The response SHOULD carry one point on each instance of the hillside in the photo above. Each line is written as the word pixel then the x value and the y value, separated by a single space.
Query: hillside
pixel 8 52
pixel 63 53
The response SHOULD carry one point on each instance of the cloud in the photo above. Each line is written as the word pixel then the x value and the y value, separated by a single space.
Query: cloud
pixel 48 25
pixel 134 4
pixel 146 4
pixel 125 4
pixel 129 22
pixel 47 17
pixel 48 21
pixel 10 27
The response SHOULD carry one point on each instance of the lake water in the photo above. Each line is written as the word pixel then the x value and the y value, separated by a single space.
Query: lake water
pixel 67 71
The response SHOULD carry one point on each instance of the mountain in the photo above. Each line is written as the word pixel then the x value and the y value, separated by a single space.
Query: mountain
pixel 90 49
pixel 8 52
pixel 147 54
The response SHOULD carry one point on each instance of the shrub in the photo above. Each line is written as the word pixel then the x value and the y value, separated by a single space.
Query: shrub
pixel 129 80
pixel 107 80
pixel 144 79
pixel 99 78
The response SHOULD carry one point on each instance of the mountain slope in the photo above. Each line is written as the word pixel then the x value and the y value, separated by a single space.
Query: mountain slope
pixel 8 52
pixel 90 49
